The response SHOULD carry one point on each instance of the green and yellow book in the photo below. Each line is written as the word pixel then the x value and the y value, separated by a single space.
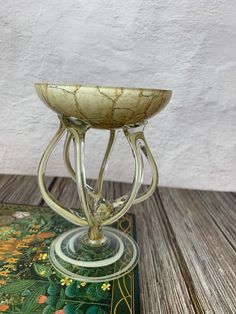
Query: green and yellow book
pixel 28 282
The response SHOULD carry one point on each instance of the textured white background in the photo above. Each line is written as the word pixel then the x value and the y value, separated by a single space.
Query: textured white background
pixel 188 46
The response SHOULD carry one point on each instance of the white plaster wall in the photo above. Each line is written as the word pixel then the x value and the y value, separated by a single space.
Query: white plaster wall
pixel 188 46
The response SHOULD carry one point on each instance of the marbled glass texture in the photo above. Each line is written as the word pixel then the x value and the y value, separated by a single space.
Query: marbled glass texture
pixel 103 107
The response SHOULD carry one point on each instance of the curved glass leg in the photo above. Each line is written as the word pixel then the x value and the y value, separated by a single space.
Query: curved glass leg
pixel 69 214
pixel 97 253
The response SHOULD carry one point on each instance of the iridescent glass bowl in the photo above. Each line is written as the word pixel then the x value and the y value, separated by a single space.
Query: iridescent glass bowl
pixel 94 252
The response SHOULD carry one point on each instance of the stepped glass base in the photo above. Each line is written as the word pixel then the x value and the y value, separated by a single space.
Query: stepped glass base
pixel 74 256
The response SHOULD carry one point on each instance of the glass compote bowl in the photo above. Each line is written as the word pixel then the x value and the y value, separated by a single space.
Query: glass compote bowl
pixel 95 252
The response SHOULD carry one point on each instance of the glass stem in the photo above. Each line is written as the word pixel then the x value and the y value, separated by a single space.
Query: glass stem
pixel 95 233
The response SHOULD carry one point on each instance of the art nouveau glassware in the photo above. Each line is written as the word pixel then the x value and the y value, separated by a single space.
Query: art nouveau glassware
pixel 95 252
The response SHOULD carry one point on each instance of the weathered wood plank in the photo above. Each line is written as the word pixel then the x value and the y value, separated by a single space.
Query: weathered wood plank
pixel 21 189
pixel 3 180
pixel 162 287
pixel 198 219
pixel 64 189
pixel 221 207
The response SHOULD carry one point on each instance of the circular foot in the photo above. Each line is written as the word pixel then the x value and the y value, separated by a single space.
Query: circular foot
pixel 74 256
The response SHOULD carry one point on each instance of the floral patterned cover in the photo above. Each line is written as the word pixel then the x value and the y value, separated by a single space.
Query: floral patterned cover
pixel 28 283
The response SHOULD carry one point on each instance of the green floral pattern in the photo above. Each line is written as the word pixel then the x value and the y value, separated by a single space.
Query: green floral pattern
pixel 28 282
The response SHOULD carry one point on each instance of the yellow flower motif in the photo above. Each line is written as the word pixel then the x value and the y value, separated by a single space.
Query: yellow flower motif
pixel 66 281
pixel 106 286
pixel 11 260
pixel 82 284
pixel 4 273
pixel 42 273
pixel 42 256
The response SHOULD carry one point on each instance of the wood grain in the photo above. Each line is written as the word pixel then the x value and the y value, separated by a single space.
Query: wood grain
pixel 187 241
pixel 209 256
pixel 21 189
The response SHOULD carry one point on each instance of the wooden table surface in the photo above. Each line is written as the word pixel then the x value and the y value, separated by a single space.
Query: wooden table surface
pixel 187 240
